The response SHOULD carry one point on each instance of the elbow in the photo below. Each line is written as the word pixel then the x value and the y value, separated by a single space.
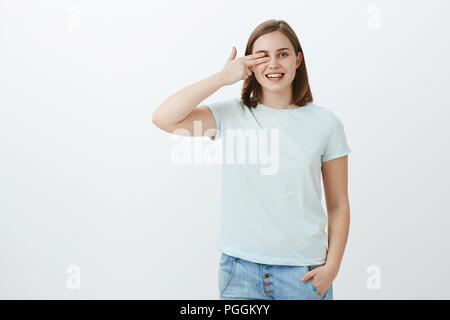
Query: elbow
pixel 343 209
pixel 159 123
pixel 156 120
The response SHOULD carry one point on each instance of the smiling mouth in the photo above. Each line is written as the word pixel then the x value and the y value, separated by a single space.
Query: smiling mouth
pixel 275 79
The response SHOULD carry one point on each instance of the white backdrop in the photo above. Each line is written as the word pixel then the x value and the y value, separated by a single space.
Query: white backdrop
pixel 89 195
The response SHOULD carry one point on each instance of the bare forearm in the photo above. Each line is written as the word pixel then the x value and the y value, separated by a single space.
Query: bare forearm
pixel 338 227
pixel 180 104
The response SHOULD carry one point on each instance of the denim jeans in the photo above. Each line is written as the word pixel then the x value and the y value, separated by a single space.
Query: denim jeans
pixel 241 279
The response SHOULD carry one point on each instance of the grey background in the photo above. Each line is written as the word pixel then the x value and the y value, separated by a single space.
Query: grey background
pixel 86 179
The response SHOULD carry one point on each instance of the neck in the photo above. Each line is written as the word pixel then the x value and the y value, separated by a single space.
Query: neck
pixel 278 100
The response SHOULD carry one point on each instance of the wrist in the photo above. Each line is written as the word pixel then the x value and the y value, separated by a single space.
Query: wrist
pixel 220 79
pixel 333 268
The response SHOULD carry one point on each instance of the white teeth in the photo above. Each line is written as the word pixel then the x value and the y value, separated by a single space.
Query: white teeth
pixel 273 75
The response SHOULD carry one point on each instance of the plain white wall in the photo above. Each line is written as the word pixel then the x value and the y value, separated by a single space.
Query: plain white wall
pixel 86 179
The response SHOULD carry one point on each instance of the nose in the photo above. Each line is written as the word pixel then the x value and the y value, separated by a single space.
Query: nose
pixel 272 62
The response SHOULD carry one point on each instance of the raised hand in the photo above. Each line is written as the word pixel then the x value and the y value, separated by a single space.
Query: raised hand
pixel 239 69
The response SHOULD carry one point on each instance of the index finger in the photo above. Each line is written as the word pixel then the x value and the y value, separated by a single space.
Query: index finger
pixel 255 55
pixel 255 61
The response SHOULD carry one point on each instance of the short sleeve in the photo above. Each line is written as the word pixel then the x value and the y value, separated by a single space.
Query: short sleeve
pixel 218 110
pixel 336 145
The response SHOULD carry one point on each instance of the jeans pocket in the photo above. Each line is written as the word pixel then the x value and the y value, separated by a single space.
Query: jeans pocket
pixel 225 258
pixel 227 267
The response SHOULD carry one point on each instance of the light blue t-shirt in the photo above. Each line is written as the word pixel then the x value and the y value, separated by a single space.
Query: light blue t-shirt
pixel 271 208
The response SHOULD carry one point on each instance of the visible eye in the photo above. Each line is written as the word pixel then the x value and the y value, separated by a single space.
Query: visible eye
pixel 280 54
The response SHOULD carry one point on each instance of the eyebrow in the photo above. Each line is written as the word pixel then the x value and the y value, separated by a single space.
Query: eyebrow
pixel 268 51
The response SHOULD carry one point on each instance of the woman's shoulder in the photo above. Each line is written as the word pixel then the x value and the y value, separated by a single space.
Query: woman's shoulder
pixel 319 109
pixel 328 116
pixel 322 111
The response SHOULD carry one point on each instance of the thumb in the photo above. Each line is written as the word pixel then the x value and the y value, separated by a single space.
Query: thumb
pixel 233 54
pixel 308 275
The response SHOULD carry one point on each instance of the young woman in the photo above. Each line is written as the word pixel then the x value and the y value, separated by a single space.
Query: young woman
pixel 273 235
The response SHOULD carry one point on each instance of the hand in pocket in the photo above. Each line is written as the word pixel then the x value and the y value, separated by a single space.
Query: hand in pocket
pixel 321 278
